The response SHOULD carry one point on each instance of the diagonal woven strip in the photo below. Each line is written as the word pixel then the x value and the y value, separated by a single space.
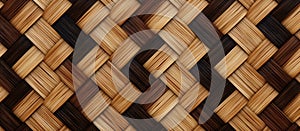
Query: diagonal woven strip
pixel 38 90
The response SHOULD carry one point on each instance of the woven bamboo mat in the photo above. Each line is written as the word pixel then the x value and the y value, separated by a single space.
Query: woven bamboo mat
pixel 39 38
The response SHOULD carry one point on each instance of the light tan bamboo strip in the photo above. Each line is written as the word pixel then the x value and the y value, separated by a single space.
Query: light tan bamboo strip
pixel 247 35
pixel 43 119
pixel 110 79
pixel 262 98
pixel 92 61
pixel 123 9
pixel 247 120
pixel 165 12
pixel 58 96
pixel 130 128
pixel 160 61
pixel 190 10
pixel 109 35
pixel 42 3
pixel 231 106
pixel 298 34
pixel 292 22
pixel 1 4
pixel 193 97
pixel 28 62
pixel 57 54
pixel 2 49
pixel 264 52
pixel 27 106
pixel 247 3
pixel 298 78
pixel 64 128
pixel 193 54
pixel 247 80
pixel 267 129
pixel 163 105
pixel 292 110
pixel 178 79
pixel 298 122
pixel 26 17
pixel 292 66
pixel 93 17
pixel 230 17
pixel 199 128
pixel 1 129
pixel 3 93
pixel 55 10
pixel 127 50
pixel 260 9
pixel 178 3
pixel 179 119
pixel 177 35
pixel 125 98
pixel 233 60
pixel 110 119
pixel 96 106
pixel 42 79
pixel 109 3
pixel 42 35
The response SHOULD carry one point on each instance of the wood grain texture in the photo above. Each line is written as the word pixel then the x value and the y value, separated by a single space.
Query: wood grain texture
pixel 149 64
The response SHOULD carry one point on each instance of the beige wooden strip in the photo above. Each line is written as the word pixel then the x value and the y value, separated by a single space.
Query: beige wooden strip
pixel 130 128
pixel 43 119
pixel 123 9
pixel 298 34
pixel 125 98
pixel 163 105
pixel 193 54
pixel 55 10
pixel 262 54
pixel 42 80
pixel 57 54
pixel 27 106
pixel 42 3
pixel 93 17
pixel 109 35
pixel 199 128
pixel 26 17
pixel 92 61
pixel 64 128
pixel 262 98
pixel 177 35
pixel 267 129
pixel 178 3
pixel 165 12
pixel 260 9
pixel 247 80
pixel 42 35
pixel 247 120
pixel 292 110
pixel 178 79
pixel 190 10
pixel 57 97
pixel 298 78
pixel 292 22
pixel 292 66
pixel 2 49
pixel 111 120
pixel 3 93
pixel 28 62
pixel 231 106
pixel 161 61
pixel 124 53
pixel 230 17
pixel 298 122
pixel 178 118
pixel 1 4
pixel 193 97
pixel 247 3
pixel 232 61
pixel 110 79
pixel 247 35
pixel 96 106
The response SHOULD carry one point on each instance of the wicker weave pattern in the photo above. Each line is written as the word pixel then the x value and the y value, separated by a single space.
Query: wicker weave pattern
pixel 261 41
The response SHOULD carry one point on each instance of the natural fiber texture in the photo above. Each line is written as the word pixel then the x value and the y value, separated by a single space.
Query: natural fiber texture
pixel 261 41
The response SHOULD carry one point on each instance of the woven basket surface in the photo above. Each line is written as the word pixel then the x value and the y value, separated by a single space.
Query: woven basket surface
pixel 53 53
